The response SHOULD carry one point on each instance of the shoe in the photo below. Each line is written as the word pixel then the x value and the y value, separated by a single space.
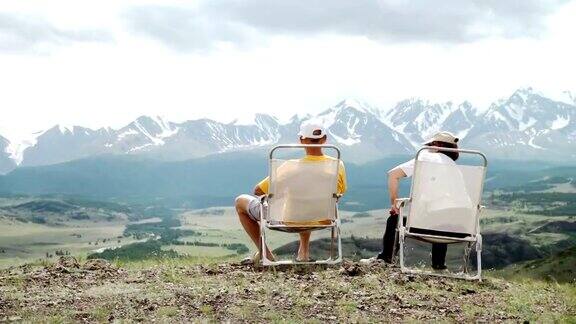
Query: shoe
pixel 371 260
pixel 252 259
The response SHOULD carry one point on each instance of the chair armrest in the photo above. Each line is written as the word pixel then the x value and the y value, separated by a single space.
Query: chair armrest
pixel 401 202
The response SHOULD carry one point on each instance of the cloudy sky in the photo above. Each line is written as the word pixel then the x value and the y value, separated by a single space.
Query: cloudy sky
pixel 105 62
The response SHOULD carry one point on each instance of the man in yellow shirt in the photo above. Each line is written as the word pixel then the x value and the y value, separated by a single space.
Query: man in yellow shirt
pixel 248 206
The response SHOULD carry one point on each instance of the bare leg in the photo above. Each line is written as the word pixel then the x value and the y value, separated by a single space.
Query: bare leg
pixel 250 226
pixel 304 249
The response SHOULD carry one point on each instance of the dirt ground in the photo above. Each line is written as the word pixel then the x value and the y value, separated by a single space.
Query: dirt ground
pixel 174 291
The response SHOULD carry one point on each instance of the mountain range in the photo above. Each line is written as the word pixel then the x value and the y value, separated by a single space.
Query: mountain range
pixel 527 125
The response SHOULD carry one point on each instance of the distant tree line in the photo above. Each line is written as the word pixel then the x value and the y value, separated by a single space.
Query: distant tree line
pixel 541 203
pixel 135 251
pixel 238 247
pixel 163 229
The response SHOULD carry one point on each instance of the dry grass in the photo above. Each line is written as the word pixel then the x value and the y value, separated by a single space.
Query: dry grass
pixel 183 290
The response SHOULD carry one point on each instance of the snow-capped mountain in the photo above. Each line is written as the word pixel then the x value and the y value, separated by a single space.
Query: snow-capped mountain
pixel 418 119
pixel 360 133
pixel 6 162
pixel 60 143
pixel 525 125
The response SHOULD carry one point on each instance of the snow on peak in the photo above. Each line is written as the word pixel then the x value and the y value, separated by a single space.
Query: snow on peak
pixel 420 116
pixel 155 128
pixel 560 122
pixel 565 97
pixel 167 128
pixel 432 118
pixel 296 118
pixel 247 119
pixel 17 146
pixel 346 141
pixel 468 107
pixel 326 119
pixel 65 128
pixel 568 97
pixel 412 101
pixel 145 132
pixel 253 119
pixel 356 104
pixel 523 93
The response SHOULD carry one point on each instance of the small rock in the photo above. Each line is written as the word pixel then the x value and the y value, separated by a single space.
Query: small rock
pixel 67 262
pixel 468 291
pixel 351 270
pixel 97 264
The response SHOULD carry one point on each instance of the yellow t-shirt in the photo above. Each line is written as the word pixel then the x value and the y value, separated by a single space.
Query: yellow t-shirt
pixel 265 183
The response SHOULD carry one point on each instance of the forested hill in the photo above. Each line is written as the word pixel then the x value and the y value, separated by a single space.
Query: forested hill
pixel 216 180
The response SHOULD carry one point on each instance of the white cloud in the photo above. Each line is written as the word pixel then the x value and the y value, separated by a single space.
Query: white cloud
pixel 110 83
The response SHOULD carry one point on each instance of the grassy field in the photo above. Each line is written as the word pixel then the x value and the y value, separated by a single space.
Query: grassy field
pixel 526 226
pixel 22 242
pixel 25 242
pixel 223 227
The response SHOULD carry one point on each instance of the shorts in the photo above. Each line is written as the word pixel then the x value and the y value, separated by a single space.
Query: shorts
pixel 254 205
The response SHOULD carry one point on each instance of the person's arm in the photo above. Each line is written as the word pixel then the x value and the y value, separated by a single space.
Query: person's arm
pixel 342 183
pixel 394 177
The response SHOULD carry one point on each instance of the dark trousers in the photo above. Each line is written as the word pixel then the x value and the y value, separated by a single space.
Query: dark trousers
pixel 438 249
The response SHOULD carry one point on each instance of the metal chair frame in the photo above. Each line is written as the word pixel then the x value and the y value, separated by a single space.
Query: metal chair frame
pixel 474 240
pixel 334 225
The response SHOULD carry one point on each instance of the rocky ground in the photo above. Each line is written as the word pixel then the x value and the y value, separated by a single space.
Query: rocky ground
pixel 96 291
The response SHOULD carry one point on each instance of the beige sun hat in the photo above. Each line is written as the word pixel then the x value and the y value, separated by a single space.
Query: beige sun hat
pixel 443 136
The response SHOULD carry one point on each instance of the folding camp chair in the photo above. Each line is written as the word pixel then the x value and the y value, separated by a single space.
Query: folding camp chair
pixel 444 207
pixel 302 197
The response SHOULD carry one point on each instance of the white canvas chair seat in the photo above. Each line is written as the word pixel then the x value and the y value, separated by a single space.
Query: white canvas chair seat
pixel 302 197
pixel 444 206
pixel 296 227
pixel 441 237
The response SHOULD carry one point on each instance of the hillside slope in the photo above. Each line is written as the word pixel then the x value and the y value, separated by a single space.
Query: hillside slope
pixel 560 267
pixel 180 290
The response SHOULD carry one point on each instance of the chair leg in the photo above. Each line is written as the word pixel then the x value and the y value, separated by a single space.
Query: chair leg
pixel 339 235
pixel 401 238
pixel 394 249
pixel 332 244
pixel 399 224
pixel 479 255
pixel 262 246
pixel 467 250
